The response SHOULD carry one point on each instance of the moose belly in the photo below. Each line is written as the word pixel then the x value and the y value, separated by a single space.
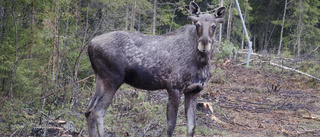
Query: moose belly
pixel 143 79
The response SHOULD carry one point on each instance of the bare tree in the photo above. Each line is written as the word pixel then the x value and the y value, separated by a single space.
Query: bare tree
pixel 229 21
pixel 16 53
pixel 154 16
pixel 133 15
pixel 245 15
pixel 220 35
pixel 299 28
pixel 127 17
pixel 282 26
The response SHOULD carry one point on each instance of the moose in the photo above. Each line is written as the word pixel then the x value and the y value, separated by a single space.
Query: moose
pixel 177 61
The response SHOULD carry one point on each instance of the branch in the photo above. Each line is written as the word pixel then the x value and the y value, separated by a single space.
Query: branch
pixel 85 78
pixel 284 67
pixel 311 117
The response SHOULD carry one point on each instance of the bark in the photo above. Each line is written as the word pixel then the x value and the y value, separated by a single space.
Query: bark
pixel 220 32
pixel 282 26
pixel 32 17
pixel 299 28
pixel 127 17
pixel 3 25
pixel 58 48
pixel 75 78
pixel 244 18
pixel 133 15
pixel 291 69
pixel 139 22
pixel 154 17
pixel 174 12
pixel 16 53
pixel 229 22
pixel 54 44
pixel 266 36
pixel 82 46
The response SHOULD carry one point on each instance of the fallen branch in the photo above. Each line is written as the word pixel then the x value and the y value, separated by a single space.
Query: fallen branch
pixel 297 133
pixel 260 55
pixel 284 67
pixel 85 78
pixel 311 117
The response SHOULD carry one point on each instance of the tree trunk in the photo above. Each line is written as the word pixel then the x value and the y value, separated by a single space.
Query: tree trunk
pixel 3 26
pixel 174 12
pixel 32 17
pixel 82 46
pixel 244 18
pixel 133 15
pixel 229 22
pixel 282 26
pixel 299 28
pixel 54 44
pixel 266 37
pixel 154 17
pixel 220 32
pixel 254 43
pixel 139 22
pixel 127 17
pixel 16 53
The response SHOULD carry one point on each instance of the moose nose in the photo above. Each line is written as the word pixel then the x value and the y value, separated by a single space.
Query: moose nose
pixel 204 41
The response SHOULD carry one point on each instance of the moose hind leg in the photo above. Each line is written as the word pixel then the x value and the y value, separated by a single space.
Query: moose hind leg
pixel 190 110
pixel 172 110
pixel 99 104
pixel 90 120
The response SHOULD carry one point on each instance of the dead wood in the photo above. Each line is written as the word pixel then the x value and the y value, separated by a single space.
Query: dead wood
pixel 310 116
pixel 287 68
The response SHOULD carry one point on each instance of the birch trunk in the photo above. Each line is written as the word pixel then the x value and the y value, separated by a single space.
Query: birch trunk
pixel 299 28
pixel 220 32
pixel 127 17
pixel 139 22
pixel 229 22
pixel 154 17
pixel 245 15
pixel 133 15
pixel 282 26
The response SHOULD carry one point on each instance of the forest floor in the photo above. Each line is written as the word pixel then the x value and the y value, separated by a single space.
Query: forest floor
pixel 238 101
pixel 257 101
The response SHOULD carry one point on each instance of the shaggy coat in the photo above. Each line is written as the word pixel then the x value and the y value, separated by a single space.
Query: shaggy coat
pixel 177 61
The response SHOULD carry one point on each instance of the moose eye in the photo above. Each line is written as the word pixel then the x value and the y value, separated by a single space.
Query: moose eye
pixel 213 26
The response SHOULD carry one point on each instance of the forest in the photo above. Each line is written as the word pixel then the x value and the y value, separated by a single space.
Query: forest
pixel 46 79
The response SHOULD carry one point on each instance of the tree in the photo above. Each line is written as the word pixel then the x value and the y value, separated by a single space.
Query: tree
pixel 283 18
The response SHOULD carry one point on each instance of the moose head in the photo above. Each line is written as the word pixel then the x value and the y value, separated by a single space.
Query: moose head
pixel 205 25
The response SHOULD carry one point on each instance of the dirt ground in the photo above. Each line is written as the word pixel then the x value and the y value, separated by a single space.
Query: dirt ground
pixel 237 102
pixel 257 102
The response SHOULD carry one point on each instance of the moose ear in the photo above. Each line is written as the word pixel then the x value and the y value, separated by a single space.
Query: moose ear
pixel 219 20
pixel 193 18
pixel 220 12
pixel 194 9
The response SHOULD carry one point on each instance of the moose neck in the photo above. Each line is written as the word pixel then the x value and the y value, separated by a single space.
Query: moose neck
pixel 203 58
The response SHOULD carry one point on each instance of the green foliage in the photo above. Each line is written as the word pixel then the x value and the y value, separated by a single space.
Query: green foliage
pixel 225 50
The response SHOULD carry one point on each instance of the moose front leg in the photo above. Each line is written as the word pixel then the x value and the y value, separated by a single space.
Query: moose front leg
pixel 190 110
pixel 194 87
pixel 172 110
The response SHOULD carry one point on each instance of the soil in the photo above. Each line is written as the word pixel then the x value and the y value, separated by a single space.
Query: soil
pixel 257 102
